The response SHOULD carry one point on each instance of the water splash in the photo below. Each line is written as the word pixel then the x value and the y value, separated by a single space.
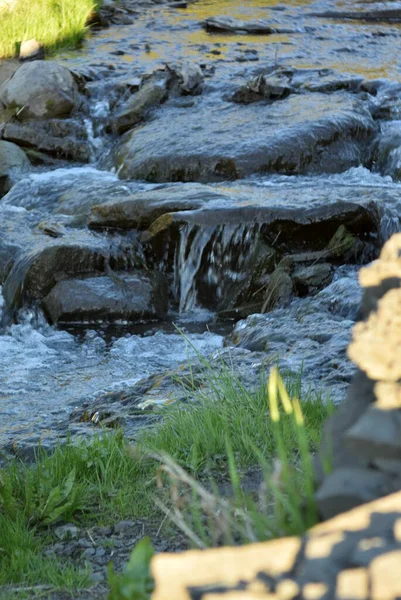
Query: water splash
pixel 95 125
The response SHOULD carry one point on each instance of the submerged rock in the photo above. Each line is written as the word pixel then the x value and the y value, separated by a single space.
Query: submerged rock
pixel 42 90
pixel 389 15
pixel 71 192
pixel 117 296
pixel 232 25
pixel 302 134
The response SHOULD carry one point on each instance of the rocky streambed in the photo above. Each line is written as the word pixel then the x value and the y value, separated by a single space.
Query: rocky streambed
pixel 224 167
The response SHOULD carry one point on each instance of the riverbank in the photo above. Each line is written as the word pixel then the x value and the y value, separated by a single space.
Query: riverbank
pixel 54 25
pixel 65 517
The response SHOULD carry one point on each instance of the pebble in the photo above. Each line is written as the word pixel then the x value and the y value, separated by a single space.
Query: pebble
pixel 66 532
pixel 123 526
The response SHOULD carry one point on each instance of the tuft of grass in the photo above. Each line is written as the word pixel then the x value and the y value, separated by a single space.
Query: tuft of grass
pixel 269 430
pixel 195 434
pixel 53 23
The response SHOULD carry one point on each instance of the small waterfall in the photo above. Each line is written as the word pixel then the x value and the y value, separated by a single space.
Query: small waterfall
pixel 212 262
pixel 95 125
pixel 188 260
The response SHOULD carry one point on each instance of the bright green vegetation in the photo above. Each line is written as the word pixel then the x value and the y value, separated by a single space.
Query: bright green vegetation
pixel 53 23
pixel 179 466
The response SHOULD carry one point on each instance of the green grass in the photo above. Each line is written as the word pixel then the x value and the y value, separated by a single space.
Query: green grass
pixel 195 435
pixel 53 23
pixel 268 436
pixel 178 467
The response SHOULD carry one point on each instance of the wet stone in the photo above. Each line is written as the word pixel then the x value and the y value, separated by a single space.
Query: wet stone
pixel 150 95
pixel 54 137
pixel 229 141
pixel 117 296
pixel 232 25
pixel 310 279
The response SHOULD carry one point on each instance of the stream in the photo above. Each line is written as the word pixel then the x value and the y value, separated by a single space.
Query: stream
pixel 336 88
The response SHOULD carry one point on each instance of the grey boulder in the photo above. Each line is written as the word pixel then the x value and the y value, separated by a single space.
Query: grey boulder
pixel 41 90
pixel 122 296
pixel 13 160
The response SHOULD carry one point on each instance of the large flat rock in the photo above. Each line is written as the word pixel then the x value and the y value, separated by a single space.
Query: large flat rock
pixel 219 141
pixel 293 217
pixel 140 210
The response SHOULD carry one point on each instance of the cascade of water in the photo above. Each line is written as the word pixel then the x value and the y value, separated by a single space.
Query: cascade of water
pixel 193 241
pixel 216 257
pixel 95 125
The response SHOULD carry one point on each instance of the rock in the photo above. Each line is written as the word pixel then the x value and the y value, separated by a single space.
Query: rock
pixel 328 84
pixel 264 87
pixel 365 432
pixel 118 296
pixel 303 134
pixel 220 244
pixel 70 192
pixel 64 139
pixel 390 15
pixel 13 161
pixel 345 245
pixel 31 50
pixel 42 90
pixel 311 279
pixel 150 95
pixel 186 79
pixel 355 555
pixel 37 269
pixel 347 488
pixel 290 228
pixel 232 25
pixel 376 434
pixel 7 69
pixel 124 526
pixel 376 341
pixel 279 291
pixel 139 210
pixel 66 532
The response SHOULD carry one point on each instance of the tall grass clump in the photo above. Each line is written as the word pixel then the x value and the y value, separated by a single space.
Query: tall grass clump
pixel 266 437
pixel 53 23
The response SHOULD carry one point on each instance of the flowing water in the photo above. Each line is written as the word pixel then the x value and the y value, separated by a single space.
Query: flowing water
pixel 45 372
